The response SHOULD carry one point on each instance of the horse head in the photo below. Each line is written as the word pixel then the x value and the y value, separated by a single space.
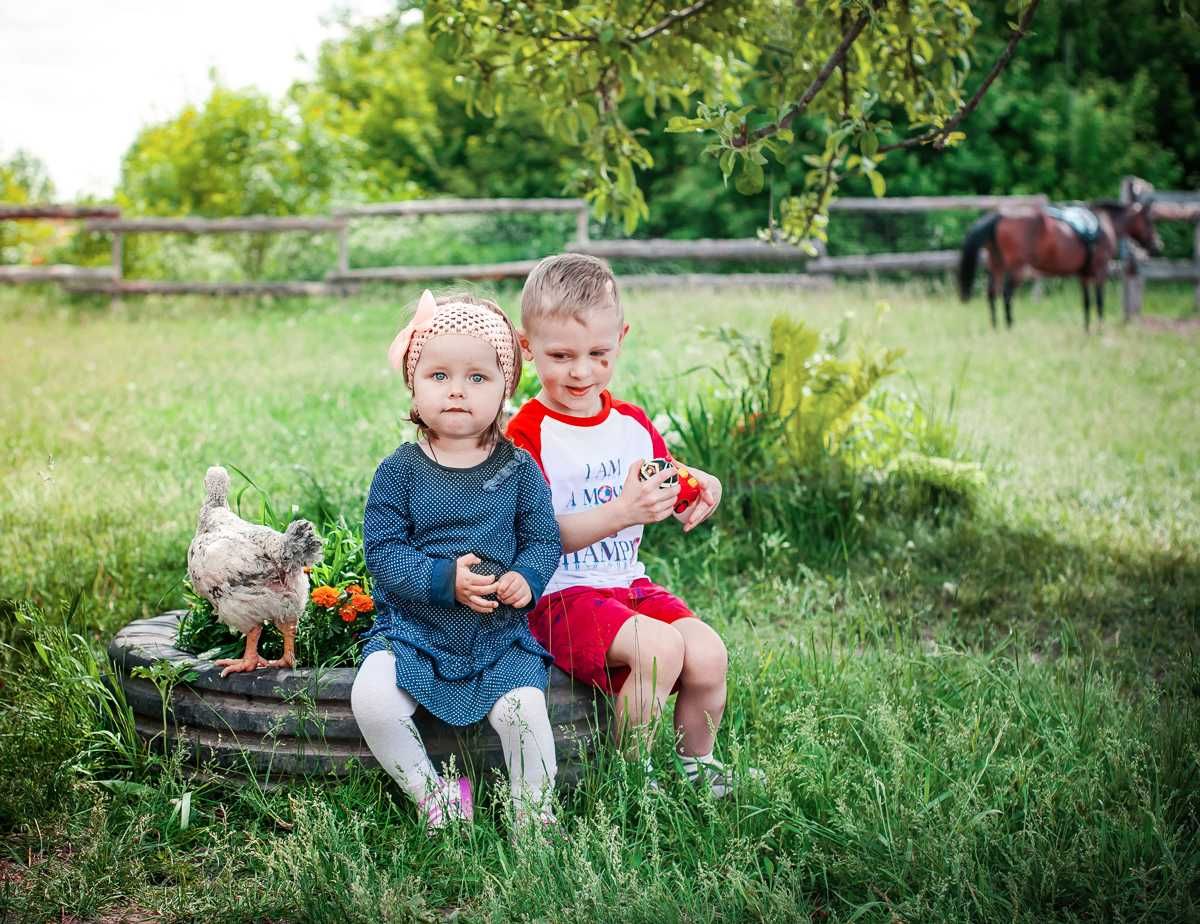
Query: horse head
pixel 1139 225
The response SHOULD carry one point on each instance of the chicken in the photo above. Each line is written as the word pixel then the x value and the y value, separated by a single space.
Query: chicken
pixel 250 574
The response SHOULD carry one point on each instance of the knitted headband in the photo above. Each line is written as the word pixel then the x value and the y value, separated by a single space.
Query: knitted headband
pixel 433 320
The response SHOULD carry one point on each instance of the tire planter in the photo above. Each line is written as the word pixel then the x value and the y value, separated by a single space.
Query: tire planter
pixel 279 723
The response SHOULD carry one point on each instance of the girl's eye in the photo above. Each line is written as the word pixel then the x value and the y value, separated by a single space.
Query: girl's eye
pixel 439 376
pixel 478 378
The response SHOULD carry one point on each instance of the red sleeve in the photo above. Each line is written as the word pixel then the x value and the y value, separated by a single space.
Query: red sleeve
pixel 656 441
pixel 525 430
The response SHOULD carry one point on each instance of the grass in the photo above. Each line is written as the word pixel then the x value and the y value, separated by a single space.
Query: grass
pixel 977 715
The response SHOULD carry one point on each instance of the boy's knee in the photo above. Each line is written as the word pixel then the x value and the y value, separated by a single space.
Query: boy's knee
pixel 706 659
pixel 655 646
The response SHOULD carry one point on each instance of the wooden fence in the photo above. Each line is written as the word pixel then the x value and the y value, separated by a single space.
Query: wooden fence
pixel 812 271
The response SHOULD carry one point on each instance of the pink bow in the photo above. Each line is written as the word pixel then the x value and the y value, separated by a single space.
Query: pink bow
pixel 426 308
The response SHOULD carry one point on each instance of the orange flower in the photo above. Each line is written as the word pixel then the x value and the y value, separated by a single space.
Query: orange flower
pixel 348 614
pixel 362 603
pixel 353 589
pixel 325 596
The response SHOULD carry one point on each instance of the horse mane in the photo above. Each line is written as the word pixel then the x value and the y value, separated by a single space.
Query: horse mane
pixel 1109 205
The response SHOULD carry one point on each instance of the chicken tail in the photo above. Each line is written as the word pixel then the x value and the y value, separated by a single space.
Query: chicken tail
pixel 301 545
pixel 216 487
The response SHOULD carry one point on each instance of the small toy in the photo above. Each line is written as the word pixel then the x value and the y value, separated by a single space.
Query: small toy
pixel 689 485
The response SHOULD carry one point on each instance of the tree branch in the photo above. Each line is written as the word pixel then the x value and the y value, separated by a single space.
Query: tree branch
pixel 819 81
pixel 678 16
pixel 938 136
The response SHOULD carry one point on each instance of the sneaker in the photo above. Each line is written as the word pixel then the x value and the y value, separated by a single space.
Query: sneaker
pixel 454 801
pixel 719 779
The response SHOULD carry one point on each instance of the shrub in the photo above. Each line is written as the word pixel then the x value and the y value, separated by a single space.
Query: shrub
pixel 808 445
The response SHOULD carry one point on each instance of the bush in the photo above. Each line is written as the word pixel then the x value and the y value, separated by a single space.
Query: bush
pixel 809 446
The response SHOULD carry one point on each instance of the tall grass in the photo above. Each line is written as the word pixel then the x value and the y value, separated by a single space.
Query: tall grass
pixel 983 712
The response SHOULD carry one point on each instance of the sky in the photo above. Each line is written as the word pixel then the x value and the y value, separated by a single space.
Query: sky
pixel 79 80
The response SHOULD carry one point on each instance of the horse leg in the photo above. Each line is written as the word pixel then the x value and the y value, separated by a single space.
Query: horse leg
pixel 1087 307
pixel 992 297
pixel 1100 301
pixel 1009 285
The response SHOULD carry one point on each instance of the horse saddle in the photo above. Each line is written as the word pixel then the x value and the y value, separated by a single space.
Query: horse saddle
pixel 1078 218
pixel 1083 222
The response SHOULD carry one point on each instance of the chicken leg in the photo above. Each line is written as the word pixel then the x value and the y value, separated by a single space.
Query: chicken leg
pixel 250 659
pixel 288 631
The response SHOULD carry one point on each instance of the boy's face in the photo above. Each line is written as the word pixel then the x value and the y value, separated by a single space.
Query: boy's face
pixel 575 359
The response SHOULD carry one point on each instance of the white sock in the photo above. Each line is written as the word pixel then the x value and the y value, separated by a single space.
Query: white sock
pixel 523 724
pixel 692 764
pixel 384 714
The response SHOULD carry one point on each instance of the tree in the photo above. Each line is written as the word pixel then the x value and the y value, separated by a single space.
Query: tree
pixel 237 154
pixel 876 77
pixel 23 179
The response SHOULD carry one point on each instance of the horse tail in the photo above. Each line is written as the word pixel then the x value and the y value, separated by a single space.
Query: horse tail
pixel 982 232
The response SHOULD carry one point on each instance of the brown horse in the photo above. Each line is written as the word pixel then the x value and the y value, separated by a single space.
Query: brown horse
pixel 1023 242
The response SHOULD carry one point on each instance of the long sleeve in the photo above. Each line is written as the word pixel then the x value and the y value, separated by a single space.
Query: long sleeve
pixel 394 564
pixel 539 545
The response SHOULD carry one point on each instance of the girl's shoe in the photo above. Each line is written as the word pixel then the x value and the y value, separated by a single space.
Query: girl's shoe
pixel 526 823
pixel 453 801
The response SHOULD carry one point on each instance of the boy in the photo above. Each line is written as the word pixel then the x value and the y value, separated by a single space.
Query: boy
pixel 601 618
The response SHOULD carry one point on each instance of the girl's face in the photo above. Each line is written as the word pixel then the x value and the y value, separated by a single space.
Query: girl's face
pixel 458 387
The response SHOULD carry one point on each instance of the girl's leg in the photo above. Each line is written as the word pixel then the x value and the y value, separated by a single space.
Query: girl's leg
pixel 523 724
pixel 701 701
pixel 654 652
pixel 384 714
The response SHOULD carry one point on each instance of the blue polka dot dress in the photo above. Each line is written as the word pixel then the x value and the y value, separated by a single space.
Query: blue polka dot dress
pixel 420 517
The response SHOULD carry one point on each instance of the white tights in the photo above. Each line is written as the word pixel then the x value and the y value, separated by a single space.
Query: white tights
pixel 384 713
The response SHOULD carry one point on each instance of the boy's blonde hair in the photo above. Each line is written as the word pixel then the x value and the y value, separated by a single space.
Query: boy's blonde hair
pixel 568 285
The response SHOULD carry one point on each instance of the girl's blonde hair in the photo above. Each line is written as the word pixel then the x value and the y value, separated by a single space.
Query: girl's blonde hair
pixel 495 432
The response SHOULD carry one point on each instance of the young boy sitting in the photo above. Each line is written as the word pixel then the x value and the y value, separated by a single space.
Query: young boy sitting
pixel 601 618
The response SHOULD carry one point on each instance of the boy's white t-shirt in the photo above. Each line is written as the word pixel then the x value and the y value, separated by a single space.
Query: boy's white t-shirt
pixel 586 460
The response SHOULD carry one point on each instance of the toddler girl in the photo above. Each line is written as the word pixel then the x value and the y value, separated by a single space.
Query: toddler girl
pixel 460 540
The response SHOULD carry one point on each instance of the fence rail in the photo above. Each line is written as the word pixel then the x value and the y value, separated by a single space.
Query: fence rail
pixel 815 271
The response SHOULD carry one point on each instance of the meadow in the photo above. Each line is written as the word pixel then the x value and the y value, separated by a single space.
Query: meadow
pixel 975 713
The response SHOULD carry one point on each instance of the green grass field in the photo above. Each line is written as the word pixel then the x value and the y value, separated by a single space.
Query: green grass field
pixel 990 713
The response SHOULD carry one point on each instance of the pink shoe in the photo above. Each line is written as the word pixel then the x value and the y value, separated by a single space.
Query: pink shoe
pixel 455 801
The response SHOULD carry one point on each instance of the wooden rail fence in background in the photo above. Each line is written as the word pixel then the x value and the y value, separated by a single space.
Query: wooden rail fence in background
pixel 811 271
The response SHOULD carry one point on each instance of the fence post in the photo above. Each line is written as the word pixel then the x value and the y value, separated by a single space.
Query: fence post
pixel 1196 259
pixel 118 255
pixel 1132 282
pixel 343 248
pixel 581 225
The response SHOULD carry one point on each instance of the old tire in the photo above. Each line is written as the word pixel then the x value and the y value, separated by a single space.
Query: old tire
pixel 278 723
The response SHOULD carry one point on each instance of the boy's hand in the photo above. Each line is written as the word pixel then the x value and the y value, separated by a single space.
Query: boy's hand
pixel 706 503
pixel 647 501
pixel 471 589
pixel 513 589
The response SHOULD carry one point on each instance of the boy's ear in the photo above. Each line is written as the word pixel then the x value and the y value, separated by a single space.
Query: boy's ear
pixel 624 331
pixel 526 350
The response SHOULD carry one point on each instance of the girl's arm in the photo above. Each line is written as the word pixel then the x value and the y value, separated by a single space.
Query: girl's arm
pixel 395 565
pixel 539 545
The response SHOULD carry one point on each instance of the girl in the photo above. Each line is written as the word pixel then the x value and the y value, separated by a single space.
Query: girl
pixel 460 539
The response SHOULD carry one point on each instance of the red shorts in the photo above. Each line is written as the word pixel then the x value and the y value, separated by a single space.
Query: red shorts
pixel 578 625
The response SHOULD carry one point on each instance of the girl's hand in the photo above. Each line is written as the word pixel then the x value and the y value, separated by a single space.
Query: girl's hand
pixel 647 501
pixel 706 503
pixel 470 589
pixel 513 589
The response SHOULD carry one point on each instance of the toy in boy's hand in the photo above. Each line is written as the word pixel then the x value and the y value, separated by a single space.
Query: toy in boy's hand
pixel 689 485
